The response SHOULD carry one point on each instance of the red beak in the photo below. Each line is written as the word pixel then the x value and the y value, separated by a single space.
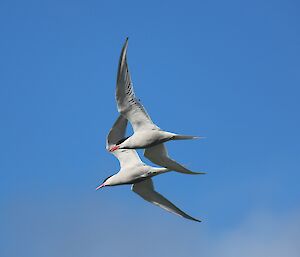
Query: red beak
pixel 114 148
pixel 102 185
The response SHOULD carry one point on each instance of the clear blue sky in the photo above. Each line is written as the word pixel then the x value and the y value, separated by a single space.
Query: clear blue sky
pixel 227 70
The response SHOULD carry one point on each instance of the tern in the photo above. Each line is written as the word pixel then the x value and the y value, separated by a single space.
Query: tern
pixel 146 133
pixel 134 171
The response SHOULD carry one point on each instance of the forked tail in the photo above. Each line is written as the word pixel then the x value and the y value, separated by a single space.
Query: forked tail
pixel 184 137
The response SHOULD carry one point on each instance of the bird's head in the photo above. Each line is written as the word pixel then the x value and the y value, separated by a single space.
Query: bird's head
pixel 119 145
pixel 106 182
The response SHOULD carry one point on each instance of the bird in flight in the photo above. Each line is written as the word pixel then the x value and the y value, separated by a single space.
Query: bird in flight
pixel 134 171
pixel 148 136
pixel 146 133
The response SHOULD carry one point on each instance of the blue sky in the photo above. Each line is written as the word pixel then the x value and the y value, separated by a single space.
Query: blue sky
pixel 228 71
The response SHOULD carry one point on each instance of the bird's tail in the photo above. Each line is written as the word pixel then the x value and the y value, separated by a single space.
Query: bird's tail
pixel 187 171
pixel 184 137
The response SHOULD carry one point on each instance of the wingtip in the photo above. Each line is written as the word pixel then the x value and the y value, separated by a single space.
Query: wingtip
pixel 124 50
pixel 126 42
pixel 194 219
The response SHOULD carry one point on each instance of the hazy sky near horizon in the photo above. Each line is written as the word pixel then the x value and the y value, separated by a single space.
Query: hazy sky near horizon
pixel 228 71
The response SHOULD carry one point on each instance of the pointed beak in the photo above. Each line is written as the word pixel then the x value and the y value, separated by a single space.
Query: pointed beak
pixel 114 148
pixel 102 185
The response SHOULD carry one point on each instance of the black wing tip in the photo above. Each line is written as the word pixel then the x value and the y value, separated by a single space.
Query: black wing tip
pixel 194 219
pixel 126 42
pixel 191 218
pixel 124 50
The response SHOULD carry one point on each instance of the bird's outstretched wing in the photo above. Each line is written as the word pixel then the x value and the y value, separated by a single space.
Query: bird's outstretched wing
pixel 116 134
pixel 128 105
pixel 145 189
pixel 158 154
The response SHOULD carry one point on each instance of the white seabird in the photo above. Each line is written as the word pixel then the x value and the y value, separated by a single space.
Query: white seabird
pixel 134 171
pixel 146 133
